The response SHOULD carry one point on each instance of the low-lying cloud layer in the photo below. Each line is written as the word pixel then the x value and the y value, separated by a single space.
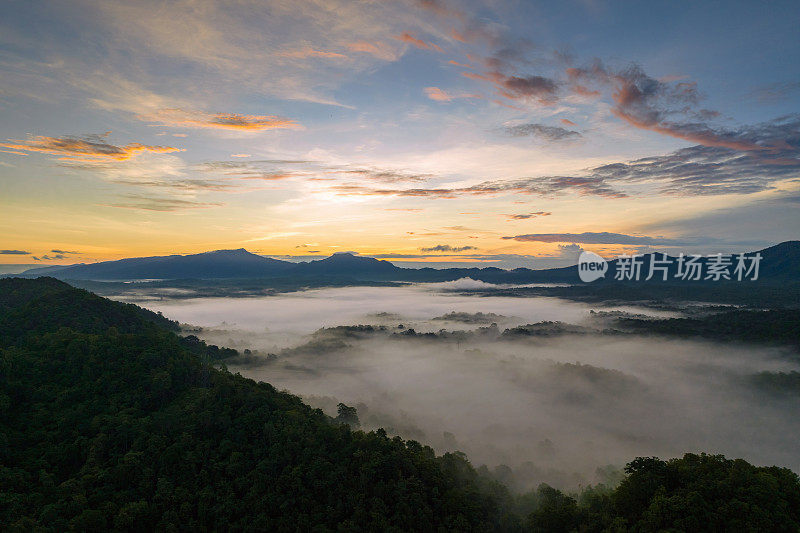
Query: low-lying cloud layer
pixel 554 401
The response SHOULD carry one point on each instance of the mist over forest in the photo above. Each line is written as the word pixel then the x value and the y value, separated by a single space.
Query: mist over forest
pixel 537 389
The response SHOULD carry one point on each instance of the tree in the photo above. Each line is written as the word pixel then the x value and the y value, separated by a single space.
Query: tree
pixel 347 415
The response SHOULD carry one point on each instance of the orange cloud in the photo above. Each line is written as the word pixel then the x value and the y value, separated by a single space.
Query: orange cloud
pixel 91 149
pixel 456 63
pixel 509 106
pixel 458 36
pixel 585 91
pixel 419 43
pixel 174 117
pixel 379 49
pixel 480 77
pixel 435 93
pixel 567 122
pixel 440 9
pixel 272 176
pixel 440 95
pixel 310 52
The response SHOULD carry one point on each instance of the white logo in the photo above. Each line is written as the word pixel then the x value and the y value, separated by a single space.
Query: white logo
pixel 591 266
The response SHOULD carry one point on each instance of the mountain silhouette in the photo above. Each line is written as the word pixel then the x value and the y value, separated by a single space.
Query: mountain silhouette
pixel 347 264
pixel 217 264
pixel 779 263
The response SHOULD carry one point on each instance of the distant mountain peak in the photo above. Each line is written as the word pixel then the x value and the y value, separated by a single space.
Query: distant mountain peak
pixel 346 256
pixel 237 251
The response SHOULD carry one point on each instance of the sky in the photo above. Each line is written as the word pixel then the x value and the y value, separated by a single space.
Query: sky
pixel 421 131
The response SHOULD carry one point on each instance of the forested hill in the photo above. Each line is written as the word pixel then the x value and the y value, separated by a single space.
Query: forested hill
pixel 108 421
pixel 33 307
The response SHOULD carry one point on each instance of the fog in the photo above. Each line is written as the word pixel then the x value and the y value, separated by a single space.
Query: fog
pixel 304 312
pixel 554 403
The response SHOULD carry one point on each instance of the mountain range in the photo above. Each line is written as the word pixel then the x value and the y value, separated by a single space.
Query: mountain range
pixel 779 263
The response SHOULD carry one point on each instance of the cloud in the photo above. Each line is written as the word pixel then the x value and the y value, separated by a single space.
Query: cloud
pixel 247 48
pixel 541 131
pixel 310 170
pixel 166 173
pixel 570 248
pixel 525 216
pixel 668 106
pixel 149 203
pixel 88 149
pixel 544 186
pixel 182 185
pixel 360 190
pixel 567 122
pixel 419 43
pixel 307 52
pixel 775 92
pixel 790 198
pixel 623 239
pixel 593 238
pixel 271 176
pixel 461 228
pixel 378 49
pixel 14 252
pixel 458 63
pixel 448 248
pixel 694 171
pixel 538 89
pixel 570 252
pixel 647 103
pixel 440 95
pixel 471 29
pixel 241 155
pixel 761 222
pixel 181 118
pixel 377 174
pixel 440 9
pixel 59 254
pixel 709 170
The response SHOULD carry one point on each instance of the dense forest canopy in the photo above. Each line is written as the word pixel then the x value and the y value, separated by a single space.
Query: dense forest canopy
pixel 111 421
